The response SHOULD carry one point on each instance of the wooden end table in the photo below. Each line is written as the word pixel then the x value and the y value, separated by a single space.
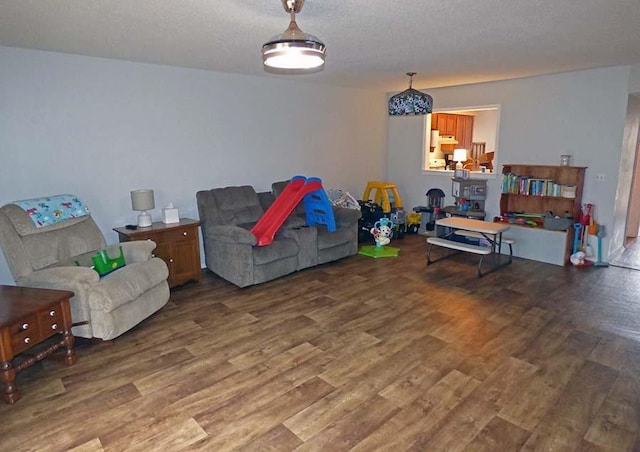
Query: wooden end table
pixel 28 316
pixel 176 244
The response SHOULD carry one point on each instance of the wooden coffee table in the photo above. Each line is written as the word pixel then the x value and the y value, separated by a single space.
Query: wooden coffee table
pixel 28 316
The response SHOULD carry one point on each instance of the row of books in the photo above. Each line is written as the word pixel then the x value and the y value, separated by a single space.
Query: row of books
pixel 523 185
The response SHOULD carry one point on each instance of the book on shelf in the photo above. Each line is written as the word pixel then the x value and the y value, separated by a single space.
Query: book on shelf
pixel 530 186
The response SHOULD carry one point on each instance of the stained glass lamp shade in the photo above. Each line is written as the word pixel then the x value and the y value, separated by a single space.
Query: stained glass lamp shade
pixel 410 101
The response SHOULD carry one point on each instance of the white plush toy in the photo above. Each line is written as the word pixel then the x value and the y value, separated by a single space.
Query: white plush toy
pixel 577 258
pixel 382 231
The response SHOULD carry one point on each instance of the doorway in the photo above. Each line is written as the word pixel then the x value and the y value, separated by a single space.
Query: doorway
pixel 625 243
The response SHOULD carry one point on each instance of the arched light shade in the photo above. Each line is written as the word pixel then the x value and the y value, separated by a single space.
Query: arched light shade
pixel 410 101
pixel 294 51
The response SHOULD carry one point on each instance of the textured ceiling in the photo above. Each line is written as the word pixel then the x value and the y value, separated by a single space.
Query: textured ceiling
pixel 371 43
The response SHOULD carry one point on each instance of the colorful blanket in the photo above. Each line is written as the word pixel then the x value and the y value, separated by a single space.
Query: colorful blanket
pixel 53 209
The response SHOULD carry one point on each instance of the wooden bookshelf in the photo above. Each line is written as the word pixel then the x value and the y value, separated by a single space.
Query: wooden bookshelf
pixel 540 203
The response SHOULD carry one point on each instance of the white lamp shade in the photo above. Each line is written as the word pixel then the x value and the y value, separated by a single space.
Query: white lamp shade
pixel 142 200
pixel 459 155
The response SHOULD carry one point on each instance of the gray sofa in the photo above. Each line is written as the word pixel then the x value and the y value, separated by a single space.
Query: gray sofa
pixel 48 257
pixel 227 216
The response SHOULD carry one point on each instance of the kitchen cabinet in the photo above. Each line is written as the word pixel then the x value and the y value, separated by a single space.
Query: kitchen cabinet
pixel 445 123
pixel 459 126
pixel 464 131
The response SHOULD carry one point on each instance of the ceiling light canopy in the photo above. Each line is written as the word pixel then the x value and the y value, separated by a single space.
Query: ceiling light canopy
pixel 294 51
pixel 410 101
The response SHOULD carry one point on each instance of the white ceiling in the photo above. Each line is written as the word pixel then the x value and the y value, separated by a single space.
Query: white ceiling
pixel 370 43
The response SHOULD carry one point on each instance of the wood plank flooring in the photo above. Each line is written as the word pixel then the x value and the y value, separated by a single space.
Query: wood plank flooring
pixel 362 354
pixel 629 256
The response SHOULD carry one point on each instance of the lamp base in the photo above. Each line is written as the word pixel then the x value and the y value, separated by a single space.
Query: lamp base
pixel 144 220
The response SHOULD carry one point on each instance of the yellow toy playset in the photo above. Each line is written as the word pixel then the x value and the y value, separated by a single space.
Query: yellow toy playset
pixel 382 191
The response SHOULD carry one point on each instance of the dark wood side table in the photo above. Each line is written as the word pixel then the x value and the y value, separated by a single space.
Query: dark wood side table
pixel 177 244
pixel 28 316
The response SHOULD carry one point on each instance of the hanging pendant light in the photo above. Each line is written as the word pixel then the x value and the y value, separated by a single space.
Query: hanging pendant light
pixel 410 101
pixel 294 51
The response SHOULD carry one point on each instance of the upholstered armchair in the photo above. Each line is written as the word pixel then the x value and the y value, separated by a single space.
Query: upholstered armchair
pixel 226 218
pixel 58 256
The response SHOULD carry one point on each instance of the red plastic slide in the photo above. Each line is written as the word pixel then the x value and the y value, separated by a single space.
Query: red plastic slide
pixel 266 228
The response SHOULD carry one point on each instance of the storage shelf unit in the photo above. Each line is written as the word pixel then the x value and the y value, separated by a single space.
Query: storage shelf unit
pixel 540 204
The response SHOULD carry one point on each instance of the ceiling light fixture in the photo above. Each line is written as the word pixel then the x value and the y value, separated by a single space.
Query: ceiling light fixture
pixel 294 51
pixel 410 101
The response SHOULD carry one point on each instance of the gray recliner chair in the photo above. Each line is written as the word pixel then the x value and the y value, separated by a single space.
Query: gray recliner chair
pixel 227 216
pixel 47 257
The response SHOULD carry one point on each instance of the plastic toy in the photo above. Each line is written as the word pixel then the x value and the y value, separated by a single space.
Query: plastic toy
pixel 384 194
pixel 413 222
pixel 382 231
pixel 399 218
pixel 601 232
pixel 430 213
pixel 316 204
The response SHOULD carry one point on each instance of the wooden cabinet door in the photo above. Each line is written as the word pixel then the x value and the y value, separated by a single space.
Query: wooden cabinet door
pixel 468 134
pixel 434 121
pixel 464 131
pixel 163 251
pixel 450 125
pixel 443 122
pixel 184 264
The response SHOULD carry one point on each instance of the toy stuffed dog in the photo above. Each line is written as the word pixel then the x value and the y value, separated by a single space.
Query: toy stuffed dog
pixel 382 231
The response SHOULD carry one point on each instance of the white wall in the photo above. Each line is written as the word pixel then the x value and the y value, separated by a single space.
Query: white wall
pixel 634 79
pixel 578 113
pixel 99 128
pixel 484 128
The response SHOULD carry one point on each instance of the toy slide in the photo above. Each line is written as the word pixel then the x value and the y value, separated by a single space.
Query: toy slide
pixel 297 189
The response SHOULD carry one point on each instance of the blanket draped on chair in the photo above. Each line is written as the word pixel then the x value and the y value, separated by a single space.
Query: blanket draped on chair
pixel 53 209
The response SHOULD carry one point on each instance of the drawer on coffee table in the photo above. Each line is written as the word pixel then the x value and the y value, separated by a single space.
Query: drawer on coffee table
pixel 50 321
pixel 24 334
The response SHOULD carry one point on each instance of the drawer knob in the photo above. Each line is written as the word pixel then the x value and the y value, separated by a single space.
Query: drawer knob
pixel 27 340
pixel 52 313
pixel 171 260
pixel 185 234
pixel 54 326
pixel 25 326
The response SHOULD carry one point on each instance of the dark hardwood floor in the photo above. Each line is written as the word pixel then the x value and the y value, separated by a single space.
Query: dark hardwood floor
pixel 362 354
pixel 629 256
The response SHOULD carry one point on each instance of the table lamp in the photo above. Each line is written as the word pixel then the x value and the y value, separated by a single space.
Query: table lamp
pixel 459 155
pixel 142 201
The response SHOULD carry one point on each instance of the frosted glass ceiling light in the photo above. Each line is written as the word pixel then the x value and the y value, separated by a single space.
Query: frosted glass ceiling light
pixel 294 51
pixel 410 101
